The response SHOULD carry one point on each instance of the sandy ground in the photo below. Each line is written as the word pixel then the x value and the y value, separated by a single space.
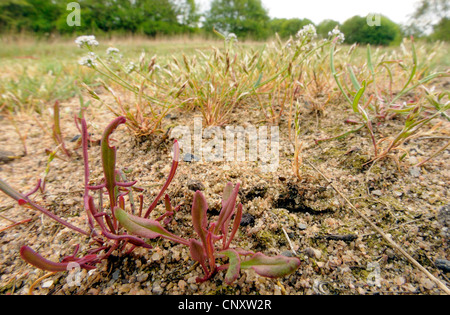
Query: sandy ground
pixel 339 252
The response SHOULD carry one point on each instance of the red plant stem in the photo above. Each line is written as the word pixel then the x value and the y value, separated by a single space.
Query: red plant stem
pixel 210 252
pixel 56 218
pixel 35 189
pixel 84 144
pixel 141 204
pixel 15 224
pixel 169 179
pixel 23 200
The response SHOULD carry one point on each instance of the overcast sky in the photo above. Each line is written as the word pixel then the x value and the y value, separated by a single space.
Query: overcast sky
pixel 339 10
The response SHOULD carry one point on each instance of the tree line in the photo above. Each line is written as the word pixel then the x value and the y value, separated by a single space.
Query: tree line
pixel 248 19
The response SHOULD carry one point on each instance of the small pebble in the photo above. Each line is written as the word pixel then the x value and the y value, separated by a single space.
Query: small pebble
pixel 378 193
pixel 157 290
pixel 302 227
pixel 313 253
pixel 247 219
pixel 287 253
pixel 142 277
pixel 196 186
pixel 414 171
pixel 47 284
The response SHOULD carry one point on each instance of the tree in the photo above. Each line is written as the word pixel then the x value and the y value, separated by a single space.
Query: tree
pixel 149 17
pixel 441 31
pixel 245 18
pixel 28 15
pixel 326 26
pixel 288 27
pixel 187 13
pixel 431 16
pixel 431 12
pixel 358 30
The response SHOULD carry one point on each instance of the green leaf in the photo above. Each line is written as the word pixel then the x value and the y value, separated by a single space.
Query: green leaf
pixel 369 61
pixel 109 156
pixel 258 81
pixel 271 267
pixel 355 82
pixel 219 34
pixel 145 227
pixel 336 74
pixel 358 97
pixel 11 192
pixel 234 265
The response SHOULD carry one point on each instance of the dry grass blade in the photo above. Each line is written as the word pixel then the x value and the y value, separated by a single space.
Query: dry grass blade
pixel 35 283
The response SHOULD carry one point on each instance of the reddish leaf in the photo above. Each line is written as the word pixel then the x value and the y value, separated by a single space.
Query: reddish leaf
pixel 228 208
pixel 197 251
pixel 33 258
pixel 199 216
pixel 109 157
pixel 227 193
pixel 175 161
pixel 234 266
pixel 271 267
pixel 146 228
pixel 236 224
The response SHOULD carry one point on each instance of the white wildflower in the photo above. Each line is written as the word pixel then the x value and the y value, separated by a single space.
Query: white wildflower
pixel 112 51
pixel 337 34
pixel 231 38
pixel 308 33
pixel 130 67
pixel 88 40
pixel 89 60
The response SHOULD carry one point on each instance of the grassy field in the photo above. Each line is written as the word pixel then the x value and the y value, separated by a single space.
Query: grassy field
pixel 363 163
pixel 35 73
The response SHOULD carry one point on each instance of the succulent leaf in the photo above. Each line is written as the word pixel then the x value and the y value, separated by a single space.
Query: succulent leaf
pixel 234 266
pixel 145 227
pixel 271 267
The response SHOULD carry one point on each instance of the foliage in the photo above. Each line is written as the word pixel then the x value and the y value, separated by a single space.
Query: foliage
pixel 286 28
pixel 357 30
pixel 150 17
pixel 35 15
pixel 326 26
pixel 245 18
pixel 248 19
pixel 154 94
pixel 441 31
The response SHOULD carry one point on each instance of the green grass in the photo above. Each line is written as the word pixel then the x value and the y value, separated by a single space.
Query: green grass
pixel 34 73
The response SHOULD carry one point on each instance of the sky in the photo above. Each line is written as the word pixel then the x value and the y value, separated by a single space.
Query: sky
pixel 339 10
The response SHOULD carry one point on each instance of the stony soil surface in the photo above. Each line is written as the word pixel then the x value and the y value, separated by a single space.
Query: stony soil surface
pixel 339 252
